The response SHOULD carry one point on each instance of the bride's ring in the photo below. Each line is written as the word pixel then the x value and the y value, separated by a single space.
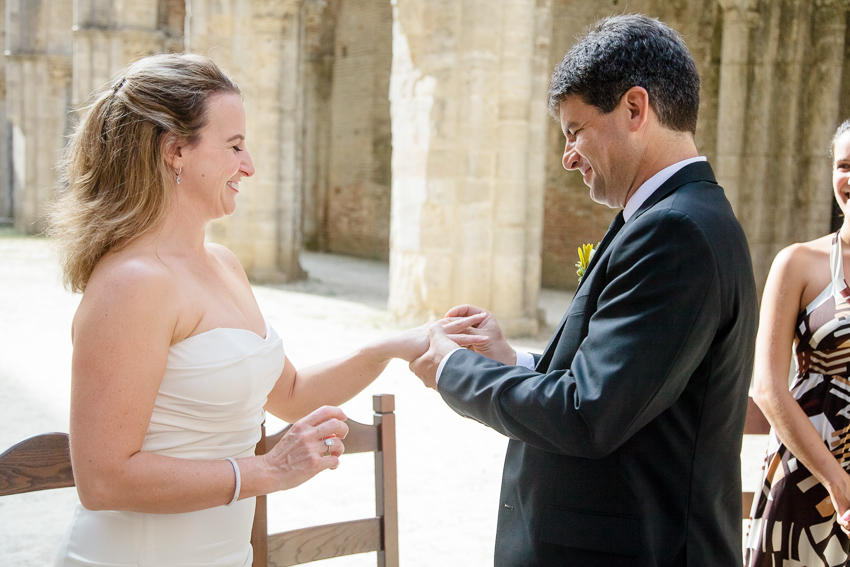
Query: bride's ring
pixel 329 442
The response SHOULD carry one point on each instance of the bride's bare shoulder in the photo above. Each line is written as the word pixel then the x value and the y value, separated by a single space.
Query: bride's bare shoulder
pixel 131 267
pixel 133 287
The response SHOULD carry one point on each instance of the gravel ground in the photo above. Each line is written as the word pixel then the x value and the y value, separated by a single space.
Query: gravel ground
pixel 449 467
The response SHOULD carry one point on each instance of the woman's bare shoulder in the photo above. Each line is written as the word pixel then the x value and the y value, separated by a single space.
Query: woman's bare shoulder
pixel 132 270
pixel 804 254
pixel 799 273
pixel 223 253
pixel 133 286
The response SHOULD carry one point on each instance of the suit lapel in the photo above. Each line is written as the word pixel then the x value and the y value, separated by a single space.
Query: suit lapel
pixel 613 229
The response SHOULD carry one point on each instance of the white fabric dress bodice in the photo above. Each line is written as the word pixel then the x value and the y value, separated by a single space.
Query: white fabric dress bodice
pixel 209 406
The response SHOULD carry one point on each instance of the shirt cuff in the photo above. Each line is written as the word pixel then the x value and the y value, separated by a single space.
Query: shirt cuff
pixel 524 359
pixel 443 363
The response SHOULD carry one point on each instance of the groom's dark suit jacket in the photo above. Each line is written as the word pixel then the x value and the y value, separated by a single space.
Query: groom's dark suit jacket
pixel 625 440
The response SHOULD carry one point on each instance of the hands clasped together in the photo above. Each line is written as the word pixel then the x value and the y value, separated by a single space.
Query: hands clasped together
pixel 315 442
pixel 480 333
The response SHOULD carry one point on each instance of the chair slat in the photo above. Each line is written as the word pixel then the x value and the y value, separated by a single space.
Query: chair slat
pixel 39 463
pixel 361 438
pixel 756 423
pixel 747 504
pixel 315 543
pixel 323 542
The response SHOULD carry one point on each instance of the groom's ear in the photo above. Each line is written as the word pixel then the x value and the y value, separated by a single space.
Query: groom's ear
pixel 635 105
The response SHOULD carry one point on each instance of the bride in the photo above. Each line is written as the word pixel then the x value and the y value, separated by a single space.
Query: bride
pixel 173 362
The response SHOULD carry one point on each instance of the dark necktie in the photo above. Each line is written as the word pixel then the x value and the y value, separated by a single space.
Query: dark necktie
pixel 615 227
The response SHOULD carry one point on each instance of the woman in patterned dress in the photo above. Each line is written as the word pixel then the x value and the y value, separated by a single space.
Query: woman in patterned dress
pixel 801 515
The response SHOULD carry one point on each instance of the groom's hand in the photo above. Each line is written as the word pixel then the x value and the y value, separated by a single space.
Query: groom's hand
pixel 425 367
pixel 495 347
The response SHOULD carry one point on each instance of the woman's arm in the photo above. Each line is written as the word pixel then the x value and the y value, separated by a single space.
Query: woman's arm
pixel 298 392
pixel 122 332
pixel 781 303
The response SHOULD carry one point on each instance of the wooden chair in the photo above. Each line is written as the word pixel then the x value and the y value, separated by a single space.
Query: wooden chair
pixel 43 462
pixel 379 533
pixel 38 463
pixel 755 424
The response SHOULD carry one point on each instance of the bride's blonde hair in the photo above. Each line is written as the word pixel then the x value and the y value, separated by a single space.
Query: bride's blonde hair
pixel 117 179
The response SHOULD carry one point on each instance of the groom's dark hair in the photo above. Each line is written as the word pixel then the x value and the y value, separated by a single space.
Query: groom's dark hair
pixel 622 52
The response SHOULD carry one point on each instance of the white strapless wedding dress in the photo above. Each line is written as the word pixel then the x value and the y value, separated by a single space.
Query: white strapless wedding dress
pixel 209 406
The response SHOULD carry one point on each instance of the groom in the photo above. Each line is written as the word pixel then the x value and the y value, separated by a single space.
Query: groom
pixel 626 432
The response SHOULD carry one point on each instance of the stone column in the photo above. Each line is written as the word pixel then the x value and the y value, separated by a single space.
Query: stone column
pixel 770 152
pixel 823 91
pixel 259 45
pixel 739 16
pixel 359 170
pixel 38 92
pixel 467 164
pixel 319 33
pixel 521 164
pixel 6 206
pixel 776 213
pixel 109 35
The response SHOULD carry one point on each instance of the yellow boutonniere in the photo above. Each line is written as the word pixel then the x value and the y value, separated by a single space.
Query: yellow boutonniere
pixel 585 253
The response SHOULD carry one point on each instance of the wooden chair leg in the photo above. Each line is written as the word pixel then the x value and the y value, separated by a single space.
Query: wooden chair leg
pixel 380 534
pixel 386 483
pixel 260 529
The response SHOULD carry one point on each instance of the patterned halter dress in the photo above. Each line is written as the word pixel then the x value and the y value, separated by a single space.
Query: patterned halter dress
pixel 793 521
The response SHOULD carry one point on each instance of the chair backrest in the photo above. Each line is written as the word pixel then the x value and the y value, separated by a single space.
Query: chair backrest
pixel 43 462
pixel 756 424
pixel 38 463
pixel 379 533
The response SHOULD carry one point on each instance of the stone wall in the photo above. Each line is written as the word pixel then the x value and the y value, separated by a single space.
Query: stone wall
pixel 780 100
pixel 38 96
pixel 347 59
pixel 259 45
pixel 319 48
pixel 358 202
pixel 58 52
pixel 108 36
pixel 6 204
pixel 456 176
pixel 467 100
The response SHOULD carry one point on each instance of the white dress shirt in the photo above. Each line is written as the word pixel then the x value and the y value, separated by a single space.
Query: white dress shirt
pixel 643 193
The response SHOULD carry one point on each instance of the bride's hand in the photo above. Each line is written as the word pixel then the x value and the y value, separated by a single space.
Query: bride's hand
pixel 313 444
pixel 413 343
pixel 494 345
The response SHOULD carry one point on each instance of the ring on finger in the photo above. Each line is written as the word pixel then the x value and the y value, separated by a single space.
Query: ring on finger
pixel 329 442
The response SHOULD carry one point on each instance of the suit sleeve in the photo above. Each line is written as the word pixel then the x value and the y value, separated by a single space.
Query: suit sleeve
pixel 655 320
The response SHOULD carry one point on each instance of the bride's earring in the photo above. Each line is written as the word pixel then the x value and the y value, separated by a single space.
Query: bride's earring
pixel 178 174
